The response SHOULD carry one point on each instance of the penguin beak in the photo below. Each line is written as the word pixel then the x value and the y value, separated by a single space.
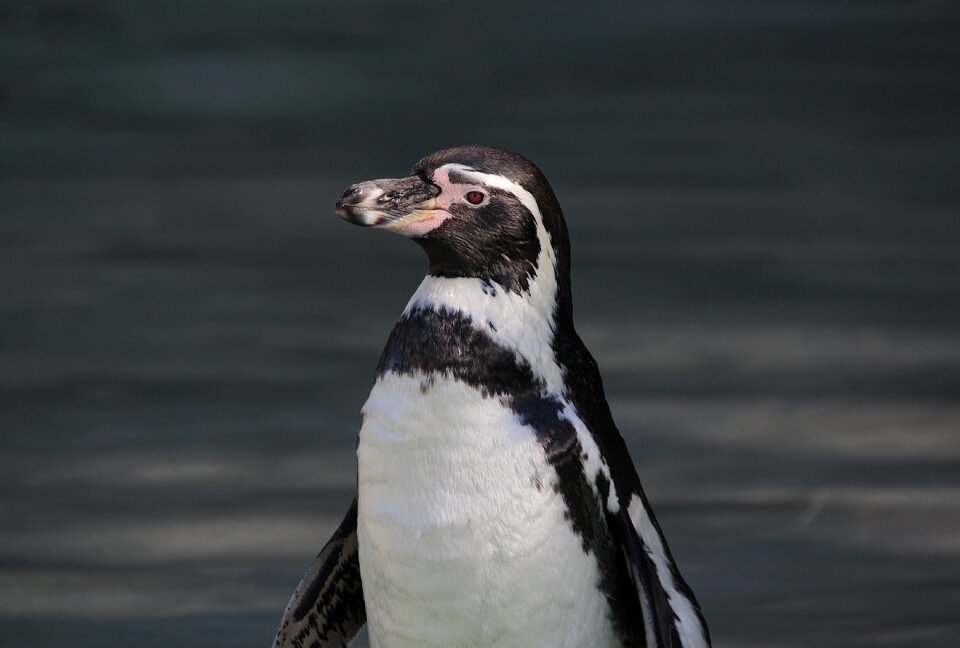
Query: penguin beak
pixel 407 206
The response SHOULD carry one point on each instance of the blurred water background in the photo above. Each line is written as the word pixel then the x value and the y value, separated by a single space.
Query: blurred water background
pixel 765 213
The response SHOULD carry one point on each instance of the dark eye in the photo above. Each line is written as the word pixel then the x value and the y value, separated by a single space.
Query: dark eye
pixel 474 197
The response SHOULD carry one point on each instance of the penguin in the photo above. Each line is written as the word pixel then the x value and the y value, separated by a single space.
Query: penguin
pixel 496 504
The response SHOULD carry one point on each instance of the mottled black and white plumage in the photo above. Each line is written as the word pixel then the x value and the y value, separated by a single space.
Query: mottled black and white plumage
pixel 497 503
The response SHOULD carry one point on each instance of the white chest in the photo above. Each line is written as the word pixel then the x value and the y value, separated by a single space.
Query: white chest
pixel 462 536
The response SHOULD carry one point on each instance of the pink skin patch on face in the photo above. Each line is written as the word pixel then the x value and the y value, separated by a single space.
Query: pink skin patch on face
pixel 434 218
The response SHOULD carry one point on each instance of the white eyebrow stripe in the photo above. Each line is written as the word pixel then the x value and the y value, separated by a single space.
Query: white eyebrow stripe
pixel 498 182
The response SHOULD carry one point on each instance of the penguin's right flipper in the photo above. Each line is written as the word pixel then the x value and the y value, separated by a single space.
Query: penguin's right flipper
pixel 327 610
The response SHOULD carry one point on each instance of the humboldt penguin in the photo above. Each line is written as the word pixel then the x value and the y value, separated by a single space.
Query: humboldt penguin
pixel 496 502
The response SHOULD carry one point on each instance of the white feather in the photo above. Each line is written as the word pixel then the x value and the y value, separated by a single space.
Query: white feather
pixel 462 536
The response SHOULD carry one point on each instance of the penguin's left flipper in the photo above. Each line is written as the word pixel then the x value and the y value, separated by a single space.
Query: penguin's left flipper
pixel 660 621
pixel 654 606
pixel 327 610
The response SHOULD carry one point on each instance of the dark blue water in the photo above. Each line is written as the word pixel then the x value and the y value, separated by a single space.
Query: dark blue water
pixel 764 206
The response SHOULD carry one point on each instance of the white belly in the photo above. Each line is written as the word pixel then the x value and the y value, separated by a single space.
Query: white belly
pixel 462 536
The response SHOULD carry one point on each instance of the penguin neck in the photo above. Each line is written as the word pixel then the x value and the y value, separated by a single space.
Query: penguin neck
pixel 524 322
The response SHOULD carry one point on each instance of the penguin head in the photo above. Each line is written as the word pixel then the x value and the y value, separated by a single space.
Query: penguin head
pixel 478 212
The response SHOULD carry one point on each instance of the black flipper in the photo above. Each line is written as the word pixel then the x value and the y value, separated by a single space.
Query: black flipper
pixel 658 617
pixel 327 610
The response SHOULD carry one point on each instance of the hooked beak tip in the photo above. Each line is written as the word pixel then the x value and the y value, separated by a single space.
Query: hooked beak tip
pixel 387 203
pixel 358 204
